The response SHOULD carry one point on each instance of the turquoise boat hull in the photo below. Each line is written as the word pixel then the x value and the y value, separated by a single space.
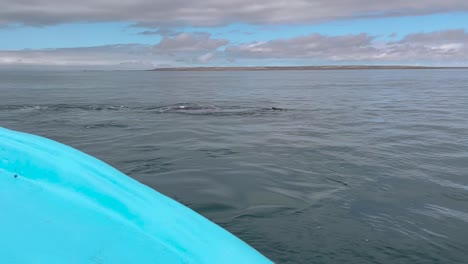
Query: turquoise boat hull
pixel 59 205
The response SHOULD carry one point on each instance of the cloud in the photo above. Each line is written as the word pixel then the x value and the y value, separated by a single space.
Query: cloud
pixel 157 13
pixel 183 49
pixel 437 37
pixel 205 58
pixel 315 46
pixel 449 47
pixel 129 56
pixel 186 42
pixel 160 32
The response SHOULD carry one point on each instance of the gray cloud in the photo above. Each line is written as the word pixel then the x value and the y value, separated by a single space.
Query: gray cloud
pixel 449 47
pixel 182 49
pixel 160 32
pixel 132 56
pixel 157 13
pixel 186 42
pixel 438 37
pixel 315 46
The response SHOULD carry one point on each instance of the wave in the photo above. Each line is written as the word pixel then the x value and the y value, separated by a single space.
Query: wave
pixel 62 107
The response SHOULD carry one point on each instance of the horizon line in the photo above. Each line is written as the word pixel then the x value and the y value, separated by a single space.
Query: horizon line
pixel 321 67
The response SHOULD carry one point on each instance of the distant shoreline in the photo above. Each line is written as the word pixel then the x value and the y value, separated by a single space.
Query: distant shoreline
pixel 303 68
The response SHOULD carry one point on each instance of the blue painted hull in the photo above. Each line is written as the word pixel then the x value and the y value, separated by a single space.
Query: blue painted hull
pixel 60 205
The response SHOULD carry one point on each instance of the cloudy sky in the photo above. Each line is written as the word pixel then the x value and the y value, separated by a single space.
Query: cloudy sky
pixel 143 34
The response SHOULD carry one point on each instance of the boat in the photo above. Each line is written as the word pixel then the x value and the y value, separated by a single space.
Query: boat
pixel 60 205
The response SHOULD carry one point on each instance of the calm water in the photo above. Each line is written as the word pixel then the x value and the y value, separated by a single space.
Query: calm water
pixel 359 167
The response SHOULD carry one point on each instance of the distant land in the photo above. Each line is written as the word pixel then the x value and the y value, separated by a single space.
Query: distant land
pixel 303 68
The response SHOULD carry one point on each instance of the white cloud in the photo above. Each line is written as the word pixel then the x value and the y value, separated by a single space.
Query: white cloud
pixel 205 58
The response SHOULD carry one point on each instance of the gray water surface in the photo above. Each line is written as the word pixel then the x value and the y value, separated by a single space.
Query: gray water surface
pixel 360 166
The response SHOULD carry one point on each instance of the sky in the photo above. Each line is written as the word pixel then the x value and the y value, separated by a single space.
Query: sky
pixel 145 34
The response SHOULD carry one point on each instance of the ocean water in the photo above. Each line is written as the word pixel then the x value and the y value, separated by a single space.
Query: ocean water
pixel 358 166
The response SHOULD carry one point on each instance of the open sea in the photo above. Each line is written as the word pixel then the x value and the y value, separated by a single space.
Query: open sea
pixel 338 166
